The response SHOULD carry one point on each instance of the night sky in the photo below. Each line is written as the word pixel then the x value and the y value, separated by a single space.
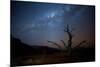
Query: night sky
pixel 34 23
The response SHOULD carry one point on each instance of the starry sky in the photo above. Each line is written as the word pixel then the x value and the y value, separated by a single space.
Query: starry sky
pixel 34 22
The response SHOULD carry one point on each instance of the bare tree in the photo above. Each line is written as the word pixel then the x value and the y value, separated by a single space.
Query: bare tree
pixel 67 30
pixel 68 46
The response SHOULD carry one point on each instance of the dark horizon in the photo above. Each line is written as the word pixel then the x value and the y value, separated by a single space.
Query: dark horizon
pixel 34 22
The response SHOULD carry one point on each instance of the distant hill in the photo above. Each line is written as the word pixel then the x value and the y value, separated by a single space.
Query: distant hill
pixel 21 49
pixel 18 48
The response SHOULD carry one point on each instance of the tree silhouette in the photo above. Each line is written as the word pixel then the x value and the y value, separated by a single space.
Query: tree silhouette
pixel 67 30
pixel 68 46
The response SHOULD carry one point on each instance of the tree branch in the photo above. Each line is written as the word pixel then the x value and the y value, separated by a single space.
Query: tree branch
pixel 63 43
pixel 55 44
pixel 69 35
pixel 80 43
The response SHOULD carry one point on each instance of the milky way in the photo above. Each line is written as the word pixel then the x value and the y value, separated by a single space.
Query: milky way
pixel 34 23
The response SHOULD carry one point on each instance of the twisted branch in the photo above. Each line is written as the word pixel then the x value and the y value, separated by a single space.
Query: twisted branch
pixel 82 42
pixel 55 44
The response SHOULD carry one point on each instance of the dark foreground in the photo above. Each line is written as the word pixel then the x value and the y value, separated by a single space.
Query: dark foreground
pixel 22 55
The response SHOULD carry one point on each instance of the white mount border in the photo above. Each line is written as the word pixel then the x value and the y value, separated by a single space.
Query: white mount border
pixel 81 2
